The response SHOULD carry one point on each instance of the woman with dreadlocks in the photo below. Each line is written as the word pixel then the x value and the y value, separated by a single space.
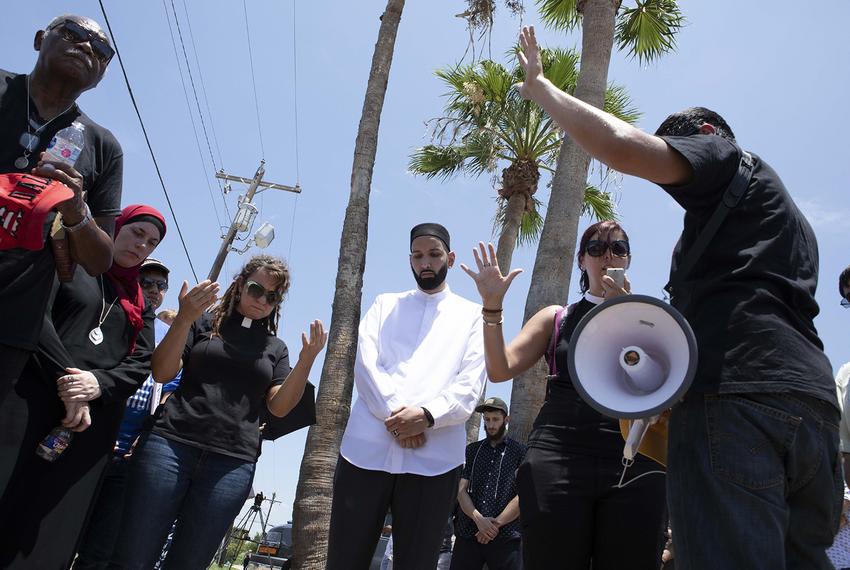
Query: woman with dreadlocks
pixel 197 464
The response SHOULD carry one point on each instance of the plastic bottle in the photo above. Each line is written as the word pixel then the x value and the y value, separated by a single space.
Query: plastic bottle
pixel 67 144
pixel 54 444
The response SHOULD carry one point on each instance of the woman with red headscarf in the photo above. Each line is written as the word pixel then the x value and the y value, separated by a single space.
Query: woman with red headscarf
pixel 94 353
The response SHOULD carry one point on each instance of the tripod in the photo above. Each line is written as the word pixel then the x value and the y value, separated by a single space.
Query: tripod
pixel 241 529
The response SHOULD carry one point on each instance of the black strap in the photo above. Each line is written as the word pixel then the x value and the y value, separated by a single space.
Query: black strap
pixel 731 198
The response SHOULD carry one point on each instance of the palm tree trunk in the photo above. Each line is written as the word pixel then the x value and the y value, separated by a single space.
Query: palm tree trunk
pixel 504 255
pixel 550 280
pixel 312 507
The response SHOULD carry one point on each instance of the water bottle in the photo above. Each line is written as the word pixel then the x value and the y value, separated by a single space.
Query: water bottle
pixel 67 144
pixel 54 444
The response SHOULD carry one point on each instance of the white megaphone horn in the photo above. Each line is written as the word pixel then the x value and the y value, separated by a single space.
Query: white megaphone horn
pixel 632 358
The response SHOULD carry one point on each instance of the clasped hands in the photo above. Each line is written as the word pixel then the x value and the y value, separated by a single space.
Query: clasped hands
pixel 407 425
pixel 76 389
pixel 488 527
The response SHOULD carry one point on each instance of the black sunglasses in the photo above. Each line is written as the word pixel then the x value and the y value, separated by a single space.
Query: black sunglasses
pixel 146 282
pixel 75 33
pixel 257 291
pixel 597 248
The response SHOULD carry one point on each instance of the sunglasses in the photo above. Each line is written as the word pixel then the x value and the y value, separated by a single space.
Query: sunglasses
pixel 147 282
pixel 846 302
pixel 597 248
pixel 257 291
pixel 73 32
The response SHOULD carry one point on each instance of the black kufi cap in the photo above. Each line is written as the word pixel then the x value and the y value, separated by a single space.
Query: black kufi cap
pixel 433 230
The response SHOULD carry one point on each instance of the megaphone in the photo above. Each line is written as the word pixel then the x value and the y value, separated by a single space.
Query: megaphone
pixel 631 358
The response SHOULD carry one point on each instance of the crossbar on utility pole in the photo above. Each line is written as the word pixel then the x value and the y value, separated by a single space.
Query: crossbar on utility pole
pixel 255 185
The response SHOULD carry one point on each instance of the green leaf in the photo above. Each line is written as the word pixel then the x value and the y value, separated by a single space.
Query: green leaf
pixel 649 30
pixel 559 14
pixel 619 104
pixel 598 204
pixel 530 226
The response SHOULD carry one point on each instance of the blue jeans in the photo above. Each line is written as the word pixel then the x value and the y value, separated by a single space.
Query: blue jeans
pixel 753 481
pixel 168 480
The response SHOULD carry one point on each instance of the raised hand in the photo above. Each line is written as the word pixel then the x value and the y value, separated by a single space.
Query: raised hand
pixel 311 348
pixel 492 285
pixel 529 59
pixel 193 303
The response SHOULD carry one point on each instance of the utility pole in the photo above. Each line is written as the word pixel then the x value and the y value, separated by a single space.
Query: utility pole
pixel 246 213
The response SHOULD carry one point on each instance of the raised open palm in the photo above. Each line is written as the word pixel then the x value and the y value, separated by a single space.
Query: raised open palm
pixel 492 285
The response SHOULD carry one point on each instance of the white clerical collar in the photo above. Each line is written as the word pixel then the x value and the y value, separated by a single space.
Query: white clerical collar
pixel 246 322
pixel 593 298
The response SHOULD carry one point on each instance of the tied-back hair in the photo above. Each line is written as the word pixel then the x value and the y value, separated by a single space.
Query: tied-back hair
pixel 275 267
pixel 604 228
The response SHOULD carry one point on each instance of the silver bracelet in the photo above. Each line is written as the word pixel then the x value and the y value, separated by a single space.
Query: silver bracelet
pixel 84 222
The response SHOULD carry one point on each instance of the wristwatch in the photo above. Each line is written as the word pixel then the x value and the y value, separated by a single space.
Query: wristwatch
pixel 82 223
pixel 429 417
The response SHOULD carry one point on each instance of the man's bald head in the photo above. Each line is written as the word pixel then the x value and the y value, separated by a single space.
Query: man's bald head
pixel 85 22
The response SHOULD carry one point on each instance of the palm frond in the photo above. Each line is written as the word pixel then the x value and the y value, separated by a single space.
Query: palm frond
pixel 619 104
pixel 559 14
pixel 598 204
pixel 560 66
pixel 648 30
pixel 530 226
pixel 433 161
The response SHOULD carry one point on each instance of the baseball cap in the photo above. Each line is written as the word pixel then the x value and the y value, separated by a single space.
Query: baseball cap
pixel 26 201
pixel 491 404
pixel 151 263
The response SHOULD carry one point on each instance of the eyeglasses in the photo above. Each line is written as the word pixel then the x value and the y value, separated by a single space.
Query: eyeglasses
pixel 597 248
pixel 75 33
pixel 845 302
pixel 147 282
pixel 257 291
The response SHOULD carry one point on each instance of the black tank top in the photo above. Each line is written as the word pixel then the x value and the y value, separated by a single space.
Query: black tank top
pixel 565 421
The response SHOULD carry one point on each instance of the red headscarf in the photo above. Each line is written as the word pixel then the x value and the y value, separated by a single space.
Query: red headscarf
pixel 126 279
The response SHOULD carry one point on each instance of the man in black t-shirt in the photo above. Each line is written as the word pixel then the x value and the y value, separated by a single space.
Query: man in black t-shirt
pixel 754 476
pixel 73 53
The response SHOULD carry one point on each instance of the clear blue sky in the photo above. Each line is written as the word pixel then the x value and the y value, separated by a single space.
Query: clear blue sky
pixel 778 74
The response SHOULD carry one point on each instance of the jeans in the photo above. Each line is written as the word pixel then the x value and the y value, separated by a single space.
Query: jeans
pixel 169 480
pixel 98 542
pixel 754 481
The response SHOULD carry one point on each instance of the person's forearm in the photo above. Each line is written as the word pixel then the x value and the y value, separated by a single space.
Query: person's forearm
pixel 495 355
pixel 167 357
pixel 465 503
pixel 510 513
pixel 289 393
pixel 91 245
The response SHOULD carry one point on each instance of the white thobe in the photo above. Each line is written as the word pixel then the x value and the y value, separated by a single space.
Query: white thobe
pixel 415 349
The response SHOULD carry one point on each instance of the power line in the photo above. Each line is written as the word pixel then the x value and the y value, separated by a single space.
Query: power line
pixel 192 117
pixel 295 121
pixel 203 84
pixel 253 79
pixel 147 139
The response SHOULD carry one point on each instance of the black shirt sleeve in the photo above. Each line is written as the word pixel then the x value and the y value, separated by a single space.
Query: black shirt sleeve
pixel 281 366
pixel 121 381
pixel 467 467
pixel 714 161
pixel 105 177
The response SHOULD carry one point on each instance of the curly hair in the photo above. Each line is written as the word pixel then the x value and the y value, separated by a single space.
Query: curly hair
pixel 275 267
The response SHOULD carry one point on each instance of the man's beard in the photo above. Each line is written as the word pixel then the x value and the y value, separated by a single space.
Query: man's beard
pixel 499 434
pixel 431 283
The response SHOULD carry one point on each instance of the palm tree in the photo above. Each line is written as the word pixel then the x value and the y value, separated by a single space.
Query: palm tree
pixel 645 31
pixel 488 124
pixel 312 507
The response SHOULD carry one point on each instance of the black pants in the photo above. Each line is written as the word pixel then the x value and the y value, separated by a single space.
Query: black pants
pixel 420 507
pixel 98 541
pixel 468 554
pixel 572 515
pixel 13 422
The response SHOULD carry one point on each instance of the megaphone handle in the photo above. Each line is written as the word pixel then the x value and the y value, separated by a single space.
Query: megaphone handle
pixel 636 433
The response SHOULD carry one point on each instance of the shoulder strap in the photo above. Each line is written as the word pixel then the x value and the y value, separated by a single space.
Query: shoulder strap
pixel 731 198
pixel 556 332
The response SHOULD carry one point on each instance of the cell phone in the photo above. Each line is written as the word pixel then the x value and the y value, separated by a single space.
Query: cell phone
pixel 618 274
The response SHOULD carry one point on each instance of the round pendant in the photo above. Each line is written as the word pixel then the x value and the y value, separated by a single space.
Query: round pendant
pixel 22 162
pixel 96 336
